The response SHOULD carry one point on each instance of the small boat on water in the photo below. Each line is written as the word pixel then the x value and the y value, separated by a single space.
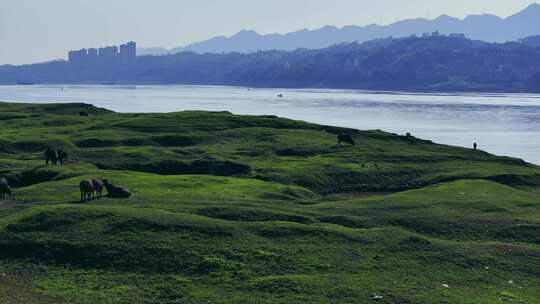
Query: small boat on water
pixel 280 95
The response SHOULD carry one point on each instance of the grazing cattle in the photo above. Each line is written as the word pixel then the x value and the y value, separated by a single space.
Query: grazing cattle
pixel 98 187
pixel 51 156
pixel 62 156
pixel 87 190
pixel 5 190
pixel 346 138
pixel 116 192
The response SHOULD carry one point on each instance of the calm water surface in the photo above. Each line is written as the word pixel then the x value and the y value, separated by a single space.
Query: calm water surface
pixel 504 124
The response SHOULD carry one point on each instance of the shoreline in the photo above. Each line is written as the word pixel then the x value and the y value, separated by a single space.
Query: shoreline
pixel 449 93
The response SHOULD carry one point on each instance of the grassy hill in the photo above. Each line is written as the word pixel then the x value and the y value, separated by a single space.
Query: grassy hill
pixel 242 209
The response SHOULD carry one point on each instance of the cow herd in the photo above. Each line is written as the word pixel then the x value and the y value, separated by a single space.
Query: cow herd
pixel 93 189
pixel 90 189
pixel 55 157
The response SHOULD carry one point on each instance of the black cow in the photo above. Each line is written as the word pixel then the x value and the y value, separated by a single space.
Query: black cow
pixel 87 190
pixel 5 190
pixel 62 156
pixel 55 157
pixel 116 192
pixel 51 156
pixel 346 138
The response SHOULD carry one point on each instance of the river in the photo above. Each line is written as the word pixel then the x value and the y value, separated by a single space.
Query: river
pixel 503 124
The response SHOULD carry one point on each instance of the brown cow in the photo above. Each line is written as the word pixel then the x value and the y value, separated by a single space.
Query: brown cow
pixel 98 187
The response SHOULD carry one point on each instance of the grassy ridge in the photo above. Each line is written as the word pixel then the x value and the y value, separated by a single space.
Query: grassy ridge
pixel 238 209
pixel 266 148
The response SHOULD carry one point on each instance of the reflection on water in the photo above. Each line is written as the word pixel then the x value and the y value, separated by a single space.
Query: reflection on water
pixel 505 124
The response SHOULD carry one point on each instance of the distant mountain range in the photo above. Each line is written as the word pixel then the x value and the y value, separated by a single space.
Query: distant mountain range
pixel 436 63
pixel 489 28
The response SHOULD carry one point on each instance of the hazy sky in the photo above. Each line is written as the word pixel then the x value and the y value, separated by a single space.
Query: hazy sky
pixel 39 30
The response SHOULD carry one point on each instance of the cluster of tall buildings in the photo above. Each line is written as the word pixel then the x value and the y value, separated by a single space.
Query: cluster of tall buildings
pixel 126 53
pixel 438 34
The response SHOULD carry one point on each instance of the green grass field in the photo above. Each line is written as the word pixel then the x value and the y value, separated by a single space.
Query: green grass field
pixel 244 209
